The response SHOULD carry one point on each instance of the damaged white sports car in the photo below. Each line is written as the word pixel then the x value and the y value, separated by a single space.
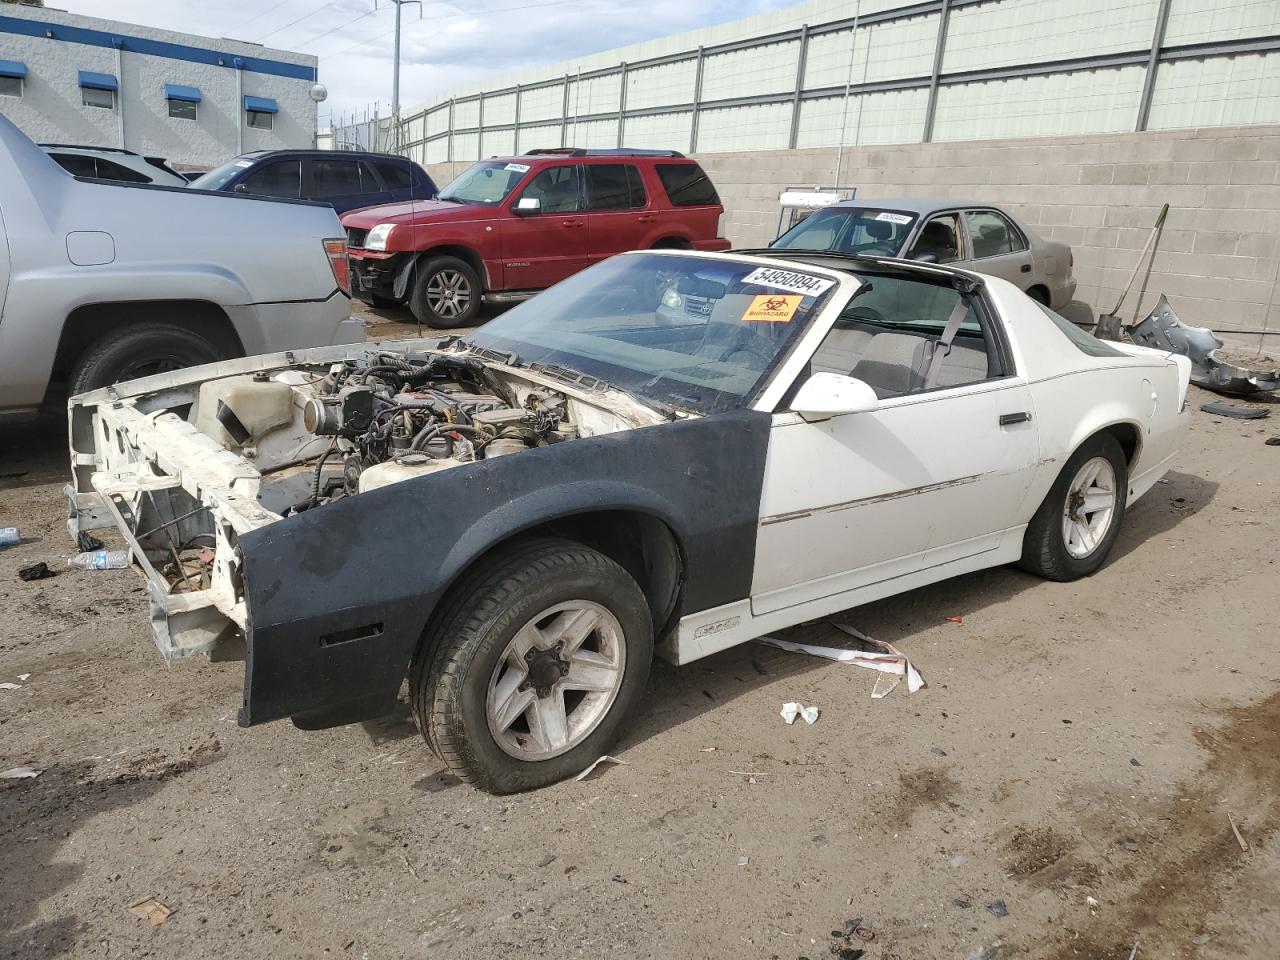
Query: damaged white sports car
pixel 670 450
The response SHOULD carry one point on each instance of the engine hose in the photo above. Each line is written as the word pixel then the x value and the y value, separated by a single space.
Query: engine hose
pixel 315 487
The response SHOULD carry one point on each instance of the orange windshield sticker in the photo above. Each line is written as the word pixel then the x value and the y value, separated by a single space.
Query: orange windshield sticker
pixel 772 308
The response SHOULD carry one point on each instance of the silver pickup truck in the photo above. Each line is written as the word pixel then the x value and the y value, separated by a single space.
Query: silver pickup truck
pixel 102 282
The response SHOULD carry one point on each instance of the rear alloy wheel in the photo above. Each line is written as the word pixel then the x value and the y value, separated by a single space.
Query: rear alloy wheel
pixel 528 671
pixel 1076 526
pixel 446 294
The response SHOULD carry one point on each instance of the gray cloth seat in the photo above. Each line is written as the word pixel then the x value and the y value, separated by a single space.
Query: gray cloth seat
pixel 896 363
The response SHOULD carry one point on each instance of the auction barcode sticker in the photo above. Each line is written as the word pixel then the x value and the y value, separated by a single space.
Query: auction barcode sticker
pixel 803 283
pixel 893 217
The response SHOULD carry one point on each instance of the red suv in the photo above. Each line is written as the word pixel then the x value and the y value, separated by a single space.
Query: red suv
pixel 511 226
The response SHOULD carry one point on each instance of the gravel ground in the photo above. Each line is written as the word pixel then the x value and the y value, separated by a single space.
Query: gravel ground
pixel 1079 754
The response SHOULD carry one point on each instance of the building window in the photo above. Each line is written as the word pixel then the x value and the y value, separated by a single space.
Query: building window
pixel 98 98
pixel 12 73
pixel 260 112
pixel 182 100
pixel 98 90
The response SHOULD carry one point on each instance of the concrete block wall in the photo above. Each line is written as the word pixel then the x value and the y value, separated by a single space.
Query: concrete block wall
pixel 1219 253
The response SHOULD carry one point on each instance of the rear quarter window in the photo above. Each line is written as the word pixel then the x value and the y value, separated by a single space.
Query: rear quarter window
pixel 687 185
pixel 1085 342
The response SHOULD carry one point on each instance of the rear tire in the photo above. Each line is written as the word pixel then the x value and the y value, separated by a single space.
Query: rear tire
pixel 139 351
pixel 531 667
pixel 446 293
pixel 1077 525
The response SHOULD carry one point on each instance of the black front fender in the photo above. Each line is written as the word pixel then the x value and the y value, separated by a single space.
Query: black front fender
pixel 338 597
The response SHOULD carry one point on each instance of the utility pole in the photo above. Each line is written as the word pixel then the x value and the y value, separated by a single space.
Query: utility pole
pixel 395 80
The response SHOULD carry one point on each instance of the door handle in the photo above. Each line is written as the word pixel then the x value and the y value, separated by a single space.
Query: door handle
pixel 1025 268
pixel 1008 419
pixel 570 223
pixel 646 218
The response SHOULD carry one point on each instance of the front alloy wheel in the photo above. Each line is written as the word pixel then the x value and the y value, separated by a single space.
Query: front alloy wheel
pixel 556 680
pixel 531 665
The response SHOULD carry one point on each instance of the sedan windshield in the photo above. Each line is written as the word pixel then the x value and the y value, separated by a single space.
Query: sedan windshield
pixel 488 182
pixel 218 177
pixel 869 231
pixel 696 333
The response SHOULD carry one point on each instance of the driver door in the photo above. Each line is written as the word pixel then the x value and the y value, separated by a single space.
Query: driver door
pixel 930 477
pixel 541 249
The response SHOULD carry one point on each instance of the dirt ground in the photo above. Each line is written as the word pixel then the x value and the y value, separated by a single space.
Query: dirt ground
pixel 1079 754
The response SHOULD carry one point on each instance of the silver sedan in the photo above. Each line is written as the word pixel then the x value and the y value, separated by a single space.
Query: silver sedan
pixel 975 236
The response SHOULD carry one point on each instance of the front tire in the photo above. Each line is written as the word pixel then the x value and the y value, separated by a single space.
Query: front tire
pixel 446 293
pixel 140 351
pixel 1077 525
pixel 532 666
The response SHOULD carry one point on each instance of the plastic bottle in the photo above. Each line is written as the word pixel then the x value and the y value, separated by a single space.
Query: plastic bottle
pixel 9 537
pixel 100 560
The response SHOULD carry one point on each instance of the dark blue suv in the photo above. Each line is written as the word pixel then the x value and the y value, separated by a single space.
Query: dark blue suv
pixel 344 179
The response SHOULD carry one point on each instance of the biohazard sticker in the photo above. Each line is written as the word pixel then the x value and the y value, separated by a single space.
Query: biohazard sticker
pixel 802 283
pixel 772 308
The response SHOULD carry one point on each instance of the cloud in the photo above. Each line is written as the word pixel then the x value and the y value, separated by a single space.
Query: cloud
pixel 454 44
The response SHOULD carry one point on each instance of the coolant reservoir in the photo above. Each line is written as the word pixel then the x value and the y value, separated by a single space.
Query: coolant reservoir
pixel 238 411
pixel 405 467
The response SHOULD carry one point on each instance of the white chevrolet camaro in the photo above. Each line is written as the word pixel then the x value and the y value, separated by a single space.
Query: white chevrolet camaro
pixel 669 452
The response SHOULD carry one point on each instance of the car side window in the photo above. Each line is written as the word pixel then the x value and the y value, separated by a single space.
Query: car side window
pixel 635 183
pixel 280 179
pixel 886 337
pixel 991 235
pixel 395 175
pixel 939 239
pixel 76 164
pixel 611 186
pixel 335 178
pixel 110 170
pixel 368 179
pixel 556 189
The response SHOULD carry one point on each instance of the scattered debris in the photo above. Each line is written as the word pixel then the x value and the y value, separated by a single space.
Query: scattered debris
pixel 605 759
pixel 1236 830
pixel 962 904
pixel 86 542
pixel 708 749
pixel 938 750
pixel 1134 952
pixel 1201 939
pixel 892 662
pixel 998 908
pixel 1236 413
pixel 1164 480
pixel 855 928
pixel 9 537
pixel 20 773
pixel 958 861
pixel 548 860
pixel 792 710
pixel 955 619
pixel 24 677
pixel 151 910
pixel 742 861
pixel 1273 441
pixel 1092 903
pixel 37 571
pixel 1162 330
pixel 10 686
pixel 1133 762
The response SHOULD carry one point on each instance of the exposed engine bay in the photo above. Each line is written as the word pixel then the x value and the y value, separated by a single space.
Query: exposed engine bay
pixel 184 463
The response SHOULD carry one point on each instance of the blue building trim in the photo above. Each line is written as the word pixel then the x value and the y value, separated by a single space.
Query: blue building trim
pixel 261 105
pixel 13 68
pixel 152 48
pixel 176 91
pixel 98 81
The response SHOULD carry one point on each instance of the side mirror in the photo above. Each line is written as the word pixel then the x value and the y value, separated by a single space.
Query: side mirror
pixel 826 395
pixel 927 256
pixel 698 287
pixel 526 206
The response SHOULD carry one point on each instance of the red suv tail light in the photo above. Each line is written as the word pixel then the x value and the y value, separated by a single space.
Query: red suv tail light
pixel 336 251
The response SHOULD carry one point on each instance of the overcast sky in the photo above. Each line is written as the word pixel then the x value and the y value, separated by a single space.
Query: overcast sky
pixel 453 44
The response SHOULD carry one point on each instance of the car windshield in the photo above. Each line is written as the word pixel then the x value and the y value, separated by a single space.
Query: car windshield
pixel 700 334
pixel 218 177
pixel 872 231
pixel 488 182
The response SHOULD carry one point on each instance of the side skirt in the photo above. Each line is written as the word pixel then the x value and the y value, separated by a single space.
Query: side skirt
pixel 701 634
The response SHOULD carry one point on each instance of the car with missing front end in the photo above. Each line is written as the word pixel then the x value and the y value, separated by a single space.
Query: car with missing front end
pixel 671 452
